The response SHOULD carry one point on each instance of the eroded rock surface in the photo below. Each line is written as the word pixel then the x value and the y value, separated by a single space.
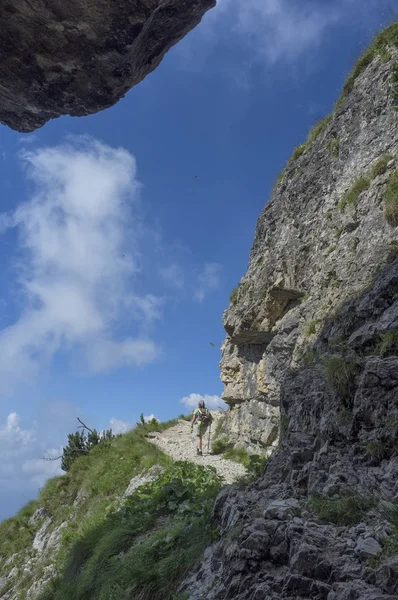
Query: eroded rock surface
pixel 311 254
pixel 77 58
pixel 311 358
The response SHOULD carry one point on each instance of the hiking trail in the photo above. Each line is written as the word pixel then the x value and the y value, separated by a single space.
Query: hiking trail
pixel 180 444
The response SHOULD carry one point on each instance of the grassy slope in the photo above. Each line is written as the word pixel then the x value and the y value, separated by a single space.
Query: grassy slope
pixel 98 479
pixel 99 557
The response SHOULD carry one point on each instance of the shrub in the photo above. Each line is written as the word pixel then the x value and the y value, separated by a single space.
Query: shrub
pixel 352 195
pixel 388 344
pixel 391 199
pixel 381 166
pixel 347 510
pixel 334 147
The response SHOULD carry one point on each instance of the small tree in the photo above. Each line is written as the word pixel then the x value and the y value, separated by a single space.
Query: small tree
pixel 80 444
pixel 77 446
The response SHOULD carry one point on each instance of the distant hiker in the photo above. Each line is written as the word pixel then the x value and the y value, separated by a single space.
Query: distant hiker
pixel 201 418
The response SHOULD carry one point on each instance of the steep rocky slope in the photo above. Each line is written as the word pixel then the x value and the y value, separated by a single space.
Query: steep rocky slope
pixel 310 366
pixel 77 58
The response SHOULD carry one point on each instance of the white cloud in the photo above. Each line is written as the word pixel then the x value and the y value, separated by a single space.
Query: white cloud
pixel 213 402
pixel 275 31
pixel 21 466
pixel 209 279
pixel 278 30
pixel 173 276
pixel 78 260
pixel 119 426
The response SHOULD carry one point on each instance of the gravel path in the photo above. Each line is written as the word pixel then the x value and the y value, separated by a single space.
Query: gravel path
pixel 178 443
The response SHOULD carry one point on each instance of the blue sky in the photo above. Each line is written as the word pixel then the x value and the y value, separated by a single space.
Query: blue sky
pixel 123 233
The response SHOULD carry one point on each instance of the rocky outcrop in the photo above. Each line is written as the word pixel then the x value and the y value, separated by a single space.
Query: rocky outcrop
pixel 320 240
pixel 310 367
pixel 77 58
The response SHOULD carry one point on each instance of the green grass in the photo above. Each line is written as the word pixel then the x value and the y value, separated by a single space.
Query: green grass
pixel 220 445
pixel 378 450
pixel 379 47
pixel 351 197
pixel 387 344
pixel 309 357
pixel 394 80
pixel 219 427
pixel 284 423
pixel 318 129
pixel 16 534
pixel 334 147
pixel 144 550
pixel 350 509
pixel 391 199
pixel 381 166
pixel 340 375
pixel 233 298
pixel 311 327
pixel 388 37
pixel 298 151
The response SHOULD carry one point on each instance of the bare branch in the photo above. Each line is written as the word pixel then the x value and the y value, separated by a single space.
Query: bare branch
pixel 49 458
pixel 83 425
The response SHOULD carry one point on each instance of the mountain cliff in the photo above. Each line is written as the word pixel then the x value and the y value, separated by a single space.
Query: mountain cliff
pixel 77 58
pixel 310 366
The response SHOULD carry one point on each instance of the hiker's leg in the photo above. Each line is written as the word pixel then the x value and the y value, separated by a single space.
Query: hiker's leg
pixel 198 442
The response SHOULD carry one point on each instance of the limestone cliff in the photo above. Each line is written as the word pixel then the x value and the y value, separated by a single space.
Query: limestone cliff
pixel 320 240
pixel 77 58
pixel 310 366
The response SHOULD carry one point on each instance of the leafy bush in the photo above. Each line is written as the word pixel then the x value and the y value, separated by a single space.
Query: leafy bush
pixel 391 199
pixel 388 344
pixel 351 197
pixel 144 550
pixel 347 510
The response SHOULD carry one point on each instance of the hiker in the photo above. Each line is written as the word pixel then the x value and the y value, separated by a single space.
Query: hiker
pixel 201 418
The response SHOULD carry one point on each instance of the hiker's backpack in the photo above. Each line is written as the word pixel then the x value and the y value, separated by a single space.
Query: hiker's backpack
pixel 205 417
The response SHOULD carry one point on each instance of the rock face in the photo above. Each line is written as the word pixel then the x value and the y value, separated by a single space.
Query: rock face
pixel 310 367
pixel 312 252
pixel 77 58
